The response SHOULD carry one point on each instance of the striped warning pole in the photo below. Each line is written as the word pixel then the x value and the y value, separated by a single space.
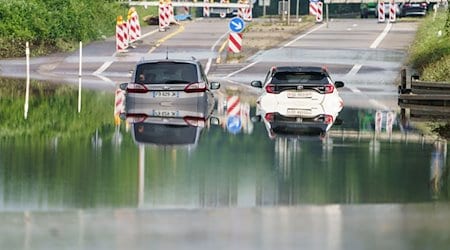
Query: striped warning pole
pixel 392 14
pixel 120 36
pixel 235 42
pixel 378 121
pixel 319 12
pixel 241 10
pixel 381 17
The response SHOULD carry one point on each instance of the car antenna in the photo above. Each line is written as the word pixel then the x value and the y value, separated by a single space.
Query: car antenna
pixel 167 52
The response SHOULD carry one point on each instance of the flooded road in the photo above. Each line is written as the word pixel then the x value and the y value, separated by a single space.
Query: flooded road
pixel 86 183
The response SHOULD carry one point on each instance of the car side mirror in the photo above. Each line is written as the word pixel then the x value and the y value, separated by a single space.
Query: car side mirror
pixel 338 122
pixel 339 84
pixel 256 84
pixel 123 86
pixel 213 120
pixel 215 85
pixel 256 118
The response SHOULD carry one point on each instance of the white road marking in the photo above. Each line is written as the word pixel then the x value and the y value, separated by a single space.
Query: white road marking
pixel 354 70
pixel 303 35
pixel 208 64
pixel 287 44
pixel 380 38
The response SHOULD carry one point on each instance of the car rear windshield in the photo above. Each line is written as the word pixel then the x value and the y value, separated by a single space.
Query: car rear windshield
pixel 166 73
pixel 300 77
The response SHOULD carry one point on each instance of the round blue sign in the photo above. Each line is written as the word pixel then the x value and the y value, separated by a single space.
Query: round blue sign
pixel 234 124
pixel 236 24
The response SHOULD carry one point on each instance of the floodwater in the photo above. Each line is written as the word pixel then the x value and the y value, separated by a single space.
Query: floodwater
pixel 79 167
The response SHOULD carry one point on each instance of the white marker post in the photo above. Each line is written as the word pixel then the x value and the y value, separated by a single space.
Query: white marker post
pixel 79 78
pixel 27 91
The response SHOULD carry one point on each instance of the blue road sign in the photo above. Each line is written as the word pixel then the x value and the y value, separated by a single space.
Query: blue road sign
pixel 234 124
pixel 236 24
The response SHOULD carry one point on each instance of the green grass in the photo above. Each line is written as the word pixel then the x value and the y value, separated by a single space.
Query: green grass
pixel 430 52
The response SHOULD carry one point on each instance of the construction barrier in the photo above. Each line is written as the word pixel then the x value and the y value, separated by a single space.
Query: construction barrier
pixel 235 42
pixel 319 12
pixel 121 41
pixel 134 28
pixel 381 17
pixel 162 16
pixel 119 105
pixel 206 12
pixel 313 8
pixel 392 12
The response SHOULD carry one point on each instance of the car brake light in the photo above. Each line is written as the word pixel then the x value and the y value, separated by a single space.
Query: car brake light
pixel 270 88
pixel 194 121
pixel 269 117
pixel 329 88
pixel 407 4
pixel 136 88
pixel 195 87
pixel 424 4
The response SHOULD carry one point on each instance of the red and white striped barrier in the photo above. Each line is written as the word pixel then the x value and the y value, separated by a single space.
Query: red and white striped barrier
pixel 319 12
pixel 378 121
pixel 248 16
pixel 134 29
pixel 235 42
pixel 313 8
pixel 390 117
pixel 381 17
pixel 233 106
pixel 162 16
pixel 119 105
pixel 206 12
pixel 121 41
pixel 392 14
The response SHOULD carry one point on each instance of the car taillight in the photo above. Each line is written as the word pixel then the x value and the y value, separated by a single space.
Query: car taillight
pixel 136 88
pixel 269 117
pixel 407 5
pixel 270 88
pixel 328 119
pixel 136 118
pixel 424 5
pixel 329 88
pixel 195 87
pixel 194 121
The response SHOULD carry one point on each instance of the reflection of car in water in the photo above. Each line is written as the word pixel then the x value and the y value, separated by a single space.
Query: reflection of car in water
pixel 299 101
pixel 169 102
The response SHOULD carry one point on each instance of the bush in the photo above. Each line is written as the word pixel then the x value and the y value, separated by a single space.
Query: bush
pixel 54 25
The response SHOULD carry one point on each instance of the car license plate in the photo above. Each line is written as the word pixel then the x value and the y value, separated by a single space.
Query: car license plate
pixel 298 111
pixel 165 113
pixel 299 94
pixel 415 5
pixel 173 94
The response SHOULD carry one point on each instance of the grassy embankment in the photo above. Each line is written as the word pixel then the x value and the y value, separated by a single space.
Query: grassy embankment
pixel 430 52
pixel 57 25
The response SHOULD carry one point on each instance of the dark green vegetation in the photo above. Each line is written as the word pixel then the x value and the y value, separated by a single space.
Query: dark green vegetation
pixel 430 53
pixel 52 111
pixel 57 25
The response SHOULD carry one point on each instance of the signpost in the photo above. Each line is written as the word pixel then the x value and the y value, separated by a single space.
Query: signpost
pixel 236 25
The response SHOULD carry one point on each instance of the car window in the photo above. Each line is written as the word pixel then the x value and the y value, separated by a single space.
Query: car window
pixel 166 73
pixel 300 77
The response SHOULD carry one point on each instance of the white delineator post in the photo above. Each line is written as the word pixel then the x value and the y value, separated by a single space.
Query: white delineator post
pixel 381 17
pixel 79 77
pixel 27 91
